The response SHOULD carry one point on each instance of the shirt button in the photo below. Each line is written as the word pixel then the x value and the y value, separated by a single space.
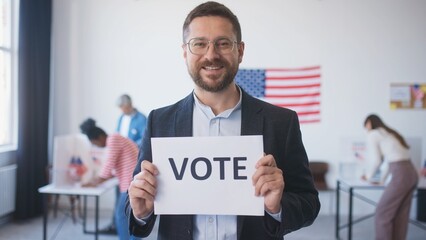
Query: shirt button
pixel 210 220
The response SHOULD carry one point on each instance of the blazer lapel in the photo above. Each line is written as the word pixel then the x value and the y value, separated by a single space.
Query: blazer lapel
pixel 183 118
pixel 251 119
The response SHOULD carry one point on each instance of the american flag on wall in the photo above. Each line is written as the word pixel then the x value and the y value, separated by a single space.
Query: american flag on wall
pixel 298 89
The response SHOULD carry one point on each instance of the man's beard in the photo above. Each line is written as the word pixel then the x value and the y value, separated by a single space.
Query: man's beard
pixel 219 85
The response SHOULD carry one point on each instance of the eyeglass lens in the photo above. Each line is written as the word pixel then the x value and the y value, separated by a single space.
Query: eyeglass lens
pixel 200 46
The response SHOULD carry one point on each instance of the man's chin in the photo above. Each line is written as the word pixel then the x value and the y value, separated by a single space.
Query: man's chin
pixel 212 87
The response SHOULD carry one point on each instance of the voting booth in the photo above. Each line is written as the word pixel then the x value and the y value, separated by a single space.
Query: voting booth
pixel 75 160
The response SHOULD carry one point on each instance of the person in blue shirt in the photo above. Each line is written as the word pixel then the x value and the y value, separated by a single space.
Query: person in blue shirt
pixel 131 123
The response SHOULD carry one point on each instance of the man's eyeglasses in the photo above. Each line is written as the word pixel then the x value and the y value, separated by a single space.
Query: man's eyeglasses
pixel 200 46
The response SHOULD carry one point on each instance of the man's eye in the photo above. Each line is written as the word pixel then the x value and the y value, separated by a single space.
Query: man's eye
pixel 199 44
pixel 223 43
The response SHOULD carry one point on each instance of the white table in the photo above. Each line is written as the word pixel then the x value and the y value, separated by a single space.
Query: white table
pixel 350 186
pixel 80 191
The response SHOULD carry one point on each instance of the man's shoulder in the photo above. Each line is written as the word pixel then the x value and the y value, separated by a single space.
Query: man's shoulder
pixel 175 107
pixel 266 107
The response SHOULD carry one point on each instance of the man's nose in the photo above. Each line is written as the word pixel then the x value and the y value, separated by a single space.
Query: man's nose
pixel 211 51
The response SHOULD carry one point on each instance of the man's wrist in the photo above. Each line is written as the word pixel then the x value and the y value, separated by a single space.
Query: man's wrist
pixel 276 216
pixel 143 220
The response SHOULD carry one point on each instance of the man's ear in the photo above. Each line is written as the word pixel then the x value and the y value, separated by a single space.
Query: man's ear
pixel 241 47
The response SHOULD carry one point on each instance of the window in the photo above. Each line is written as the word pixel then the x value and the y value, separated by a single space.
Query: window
pixel 8 75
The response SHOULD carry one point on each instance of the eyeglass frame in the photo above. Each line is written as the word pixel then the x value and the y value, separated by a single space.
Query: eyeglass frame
pixel 234 42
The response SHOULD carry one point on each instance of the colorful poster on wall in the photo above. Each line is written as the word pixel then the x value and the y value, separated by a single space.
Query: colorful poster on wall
pixel 408 96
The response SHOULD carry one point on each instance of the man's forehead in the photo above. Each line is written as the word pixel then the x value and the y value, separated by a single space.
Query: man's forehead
pixel 210 25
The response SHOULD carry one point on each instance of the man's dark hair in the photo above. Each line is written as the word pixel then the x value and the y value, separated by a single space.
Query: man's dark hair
pixel 212 9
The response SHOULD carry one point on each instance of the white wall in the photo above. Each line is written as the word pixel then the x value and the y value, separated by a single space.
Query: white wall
pixel 103 48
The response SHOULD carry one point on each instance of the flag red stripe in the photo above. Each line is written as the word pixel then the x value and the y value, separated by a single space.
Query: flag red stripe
pixel 293 69
pixel 296 86
pixel 294 77
pixel 298 104
pixel 309 121
pixel 308 113
pixel 292 96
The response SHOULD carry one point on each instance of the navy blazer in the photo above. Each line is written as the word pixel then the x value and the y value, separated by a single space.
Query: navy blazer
pixel 281 138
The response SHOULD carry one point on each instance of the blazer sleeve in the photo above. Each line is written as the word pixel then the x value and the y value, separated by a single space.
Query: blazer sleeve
pixel 300 203
pixel 144 155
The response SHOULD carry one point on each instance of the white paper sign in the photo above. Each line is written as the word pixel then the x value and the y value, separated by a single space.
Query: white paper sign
pixel 207 175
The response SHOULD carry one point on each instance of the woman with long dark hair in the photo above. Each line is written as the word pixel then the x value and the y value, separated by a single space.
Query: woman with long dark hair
pixel 387 145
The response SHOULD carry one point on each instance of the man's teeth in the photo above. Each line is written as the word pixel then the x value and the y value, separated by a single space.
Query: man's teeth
pixel 211 68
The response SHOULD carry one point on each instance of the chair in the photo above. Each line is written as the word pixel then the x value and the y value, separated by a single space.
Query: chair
pixel 319 170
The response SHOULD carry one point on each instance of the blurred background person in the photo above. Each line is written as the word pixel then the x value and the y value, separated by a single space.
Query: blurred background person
pixel 386 145
pixel 121 159
pixel 131 123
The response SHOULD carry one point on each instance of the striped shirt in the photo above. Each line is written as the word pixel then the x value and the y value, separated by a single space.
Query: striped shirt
pixel 122 155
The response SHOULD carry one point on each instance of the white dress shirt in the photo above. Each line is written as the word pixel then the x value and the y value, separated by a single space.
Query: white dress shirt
pixel 125 125
pixel 206 123
pixel 226 123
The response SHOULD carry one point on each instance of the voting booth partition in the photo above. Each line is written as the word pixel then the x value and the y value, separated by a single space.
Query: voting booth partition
pixel 75 160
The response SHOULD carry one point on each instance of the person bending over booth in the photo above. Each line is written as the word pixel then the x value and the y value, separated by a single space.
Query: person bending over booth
pixel 121 158
pixel 387 145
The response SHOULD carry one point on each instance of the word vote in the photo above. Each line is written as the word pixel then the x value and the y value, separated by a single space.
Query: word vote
pixel 222 161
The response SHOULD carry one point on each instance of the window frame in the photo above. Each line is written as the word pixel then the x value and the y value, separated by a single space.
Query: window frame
pixel 12 50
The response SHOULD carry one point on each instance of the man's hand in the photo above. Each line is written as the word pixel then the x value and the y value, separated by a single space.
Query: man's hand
pixel 269 182
pixel 142 190
pixel 423 172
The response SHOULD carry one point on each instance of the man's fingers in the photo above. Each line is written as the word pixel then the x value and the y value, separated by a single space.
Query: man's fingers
pixel 265 170
pixel 146 176
pixel 149 186
pixel 144 184
pixel 267 183
pixel 149 166
pixel 266 160
pixel 141 193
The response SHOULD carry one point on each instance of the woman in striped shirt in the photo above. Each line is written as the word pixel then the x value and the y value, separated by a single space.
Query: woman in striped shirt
pixel 120 162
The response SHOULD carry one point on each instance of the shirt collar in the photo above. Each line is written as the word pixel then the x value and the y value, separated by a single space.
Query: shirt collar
pixel 209 112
